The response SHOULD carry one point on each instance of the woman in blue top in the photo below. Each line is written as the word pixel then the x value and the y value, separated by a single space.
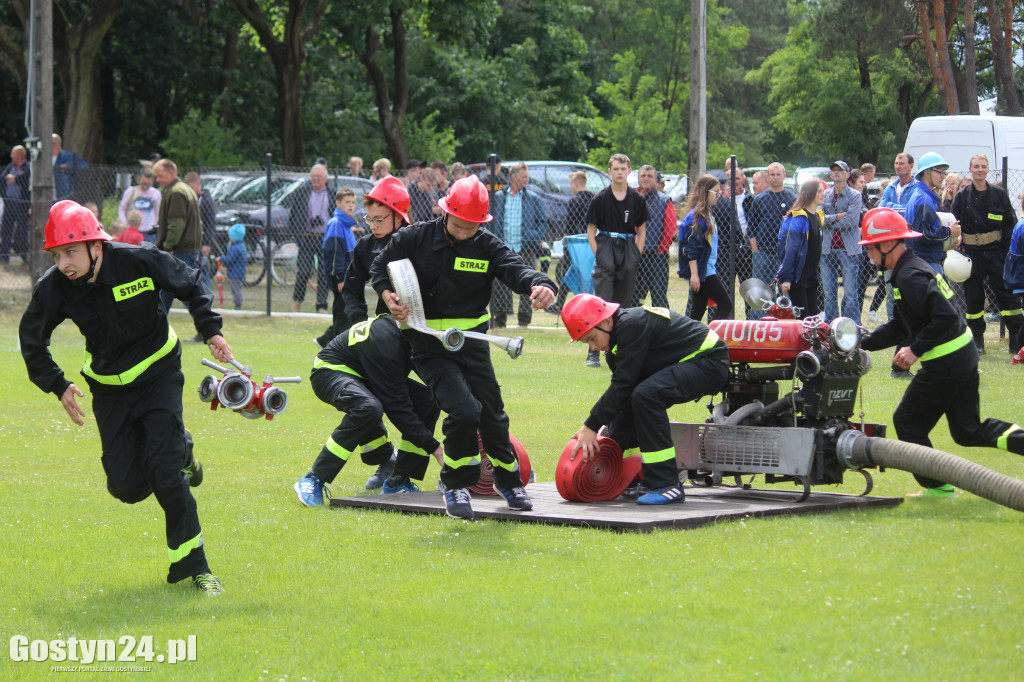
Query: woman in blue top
pixel 698 250
pixel 800 248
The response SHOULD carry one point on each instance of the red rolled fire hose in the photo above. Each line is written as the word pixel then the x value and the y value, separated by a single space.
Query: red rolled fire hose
pixel 485 485
pixel 604 477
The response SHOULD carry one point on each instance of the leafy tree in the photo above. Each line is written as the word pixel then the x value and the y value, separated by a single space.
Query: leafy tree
pixel 200 140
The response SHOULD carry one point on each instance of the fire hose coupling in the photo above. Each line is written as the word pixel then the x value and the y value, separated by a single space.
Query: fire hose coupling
pixel 845 449
pixel 238 392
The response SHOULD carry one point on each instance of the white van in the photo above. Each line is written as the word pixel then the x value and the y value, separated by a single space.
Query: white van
pixel 958 138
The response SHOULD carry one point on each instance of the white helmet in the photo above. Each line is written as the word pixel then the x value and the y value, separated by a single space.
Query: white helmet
pixel 957 266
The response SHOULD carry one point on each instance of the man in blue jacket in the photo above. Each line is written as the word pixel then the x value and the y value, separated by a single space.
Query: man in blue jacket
pixel 839 248
pixel 921 213
pixel 339 241
pixel 521 221
pixel 65 166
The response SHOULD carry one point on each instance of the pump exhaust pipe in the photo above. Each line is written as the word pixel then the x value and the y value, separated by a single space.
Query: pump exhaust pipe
pixel 856 450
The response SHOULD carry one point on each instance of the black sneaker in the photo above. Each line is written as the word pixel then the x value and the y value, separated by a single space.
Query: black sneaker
pixel 980 347
pixel 635 489
pixel 383 472
pixel 593 359
pixel 901 374
pixel 208 583
pixel 457 502
pixel 517 498
pixel 193 467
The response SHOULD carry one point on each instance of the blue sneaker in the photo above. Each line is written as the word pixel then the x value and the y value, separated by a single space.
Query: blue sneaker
pixel 382 473
pixel 666 495
pixel 399 484
pixel 517 498
pixel 310 490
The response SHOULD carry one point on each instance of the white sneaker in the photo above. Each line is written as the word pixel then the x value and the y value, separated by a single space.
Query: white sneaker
pixel 873 318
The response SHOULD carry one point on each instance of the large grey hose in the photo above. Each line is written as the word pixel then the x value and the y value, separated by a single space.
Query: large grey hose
pixel 856 450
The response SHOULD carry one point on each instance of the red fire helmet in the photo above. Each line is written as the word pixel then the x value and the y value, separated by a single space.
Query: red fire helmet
pixel 882 224
pixel 392 193
pixel 70 222
pixel 583 312
pixel 467 199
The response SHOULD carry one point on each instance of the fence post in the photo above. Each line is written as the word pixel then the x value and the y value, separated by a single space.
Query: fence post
pixel 268 256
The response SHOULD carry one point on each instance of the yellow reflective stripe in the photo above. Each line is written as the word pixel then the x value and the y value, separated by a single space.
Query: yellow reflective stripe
pixel 458 463
pixel 1008 313
pixel 950 346
pixel 375 443
pixel 659 456
pixel 318 363
pixel 709 342
pixel 336 450
pixel 896 293
pixel 629 452
pixel 185 548
pixel 975 316
pixel 507 466
pixel 458 322
pixel 1001 442
pixel 133 288
pixel 471 265
pixel 133 373
pixel 406 446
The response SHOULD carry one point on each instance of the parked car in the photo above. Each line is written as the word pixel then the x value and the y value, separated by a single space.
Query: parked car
pixel 550 179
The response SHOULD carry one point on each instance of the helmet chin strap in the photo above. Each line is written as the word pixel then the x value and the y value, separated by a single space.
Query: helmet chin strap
pixel 884 254
pixel 84 279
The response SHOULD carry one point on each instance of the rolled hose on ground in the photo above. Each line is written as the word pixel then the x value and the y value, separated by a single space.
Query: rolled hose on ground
pixel 856 450
pixel 603 477
pixel 485 484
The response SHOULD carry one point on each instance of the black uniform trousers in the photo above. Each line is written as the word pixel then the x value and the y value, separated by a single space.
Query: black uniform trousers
pixel 501 295
pixel 310 249
pixel 339 320
pixel 652 276
pixel 949 386
pixel 615 265
pixel 143 439
pixel 467 391
pixel 363 425
pixel 988 263
pixel 646 424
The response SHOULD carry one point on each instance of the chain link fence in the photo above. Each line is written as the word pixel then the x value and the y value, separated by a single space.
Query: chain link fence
pixel 240 195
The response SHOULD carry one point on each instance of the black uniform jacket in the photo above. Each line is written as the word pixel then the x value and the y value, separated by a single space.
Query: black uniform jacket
pixel 643 341
pixel 376 351
pixel 455 277
pixel 923 316
pixel 120 316
pixel 988 211
pixel 358 274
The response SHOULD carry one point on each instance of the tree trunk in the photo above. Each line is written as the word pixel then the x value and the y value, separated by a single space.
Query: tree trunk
pixel 227 64
pixel 970 67
pixel 1005 86
pixel 289 108
pixel 391 114
pixel 82 131
pixel 929 51
pixel 942 51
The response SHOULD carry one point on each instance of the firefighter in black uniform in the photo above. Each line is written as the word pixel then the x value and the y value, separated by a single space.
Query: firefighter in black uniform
pixel 928 328
pixel 986 222
pixel 132 365
pixel 456 263
pixel 658 358
pixel 387 210
pixel 364 372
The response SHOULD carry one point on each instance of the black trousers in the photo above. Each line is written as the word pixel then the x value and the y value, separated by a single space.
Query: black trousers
pixel 501 295
pixel 339 320
pixel 14 229
pixel 646 424
pixel 143 439
pixel 949 386
pixel 652 276
pixel 710 289
pixel 310 249
pixel 987 264
pixel 467 390
pixel 615 265
pixel 804 295
pixel 363 425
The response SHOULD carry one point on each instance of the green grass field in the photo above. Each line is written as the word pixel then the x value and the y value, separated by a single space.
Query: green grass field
pixel 929 590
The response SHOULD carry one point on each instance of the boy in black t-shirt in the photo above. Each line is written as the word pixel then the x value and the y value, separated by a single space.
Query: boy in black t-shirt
pixel 616 229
